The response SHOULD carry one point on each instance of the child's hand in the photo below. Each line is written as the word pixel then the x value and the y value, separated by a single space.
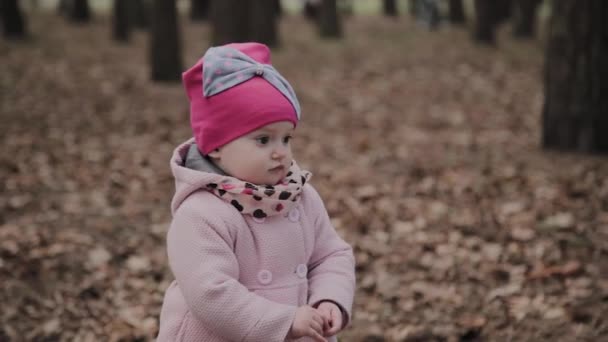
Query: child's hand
pixel 332 316
pixel 308 322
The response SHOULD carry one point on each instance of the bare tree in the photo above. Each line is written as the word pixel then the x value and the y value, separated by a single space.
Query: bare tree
pixel 120 20
pixel 329 21
pixel 64 7
pixel 575 113
pixel 264 22
pixel 525 18
pixel 139 13
pixel 165 47
pixel 311 9
pixel 13 22
pixel 278 8
pixel 485 23
pixel 489 15
pixel 411 8
pixel 80 11
pixel 230 21
pixel 390 8
pixel 199 10
pixel 456 12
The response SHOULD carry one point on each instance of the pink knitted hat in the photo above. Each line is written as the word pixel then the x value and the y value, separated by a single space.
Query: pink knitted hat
pixel 234 90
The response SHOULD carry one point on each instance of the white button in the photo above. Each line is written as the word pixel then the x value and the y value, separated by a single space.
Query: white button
pixel 294 215
pixel 264 277
pixel 301 270
pixel 259 220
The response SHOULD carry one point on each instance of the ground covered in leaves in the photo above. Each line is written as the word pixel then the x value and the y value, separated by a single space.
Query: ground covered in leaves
pixel 424 146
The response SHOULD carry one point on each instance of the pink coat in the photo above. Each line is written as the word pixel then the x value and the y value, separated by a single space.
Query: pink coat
pixel 241 279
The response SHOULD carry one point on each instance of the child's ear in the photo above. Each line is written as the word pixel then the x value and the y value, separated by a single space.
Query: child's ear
pixel 215 154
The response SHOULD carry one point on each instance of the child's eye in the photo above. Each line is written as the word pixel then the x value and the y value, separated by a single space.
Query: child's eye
pixel 287 139
pixel 263 140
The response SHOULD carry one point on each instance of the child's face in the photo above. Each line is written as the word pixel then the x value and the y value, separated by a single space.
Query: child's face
pixel 261 157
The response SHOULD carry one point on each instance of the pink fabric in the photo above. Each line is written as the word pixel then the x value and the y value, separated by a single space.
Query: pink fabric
pixel 221 118
pixel 241 279
pixel 261 201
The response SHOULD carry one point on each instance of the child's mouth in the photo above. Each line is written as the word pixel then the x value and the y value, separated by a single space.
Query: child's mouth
pixel 277 168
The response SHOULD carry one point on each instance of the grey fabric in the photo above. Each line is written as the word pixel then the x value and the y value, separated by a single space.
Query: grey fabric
pixel 224 67
pixel 196 161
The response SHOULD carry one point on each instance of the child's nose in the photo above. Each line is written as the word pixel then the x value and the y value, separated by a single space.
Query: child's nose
pixel 279 152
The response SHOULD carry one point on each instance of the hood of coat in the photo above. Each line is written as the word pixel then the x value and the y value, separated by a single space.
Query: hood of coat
pixel 191 172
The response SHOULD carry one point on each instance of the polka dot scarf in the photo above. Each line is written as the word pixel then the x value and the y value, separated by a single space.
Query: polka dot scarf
pixel 261 200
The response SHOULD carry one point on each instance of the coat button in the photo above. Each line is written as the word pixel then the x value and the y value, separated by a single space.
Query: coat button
pixel 258 220
pixel 294 215
pixel 302 270
pixel 264 277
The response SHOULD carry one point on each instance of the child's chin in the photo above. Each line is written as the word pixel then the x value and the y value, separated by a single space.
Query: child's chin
pixel 267 181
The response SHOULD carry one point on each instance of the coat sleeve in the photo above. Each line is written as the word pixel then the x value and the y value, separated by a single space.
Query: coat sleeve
pixel 332 264
pixel 206 270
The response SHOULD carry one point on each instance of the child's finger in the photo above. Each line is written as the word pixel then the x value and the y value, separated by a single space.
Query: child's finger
pixel 317 326
pixel 320 318
pixel 316 336
pixel 336 322
pixel 326 320
pixel 327 323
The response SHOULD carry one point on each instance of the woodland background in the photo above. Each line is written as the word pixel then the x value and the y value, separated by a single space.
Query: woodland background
pixel 426 146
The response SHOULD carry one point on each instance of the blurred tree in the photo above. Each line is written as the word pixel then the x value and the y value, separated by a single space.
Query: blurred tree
pixel 345 7
pixel 13 21
pixel 427 13
pixel 278 9
pixel 525 18
pixel 456 14
pixel 329 21
pixel 264 22
pixel 199 10
pixel 390 8
pixel 139 13
pixel 485 23
pixel 121 27
pixel 165 47
pixel 63 7
pixel 229 21
pixel 489 15
pixel 502 10
pixel 311 9
pixel 411 8
pixel 575 113
pixel 80 11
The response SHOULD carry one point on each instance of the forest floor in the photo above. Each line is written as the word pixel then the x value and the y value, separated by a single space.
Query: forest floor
pixel 424 146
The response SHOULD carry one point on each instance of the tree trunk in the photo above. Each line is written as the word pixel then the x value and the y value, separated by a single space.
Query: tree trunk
pixel 525 18
pixel 230 21
pixel 311 10
pixel 502 10
pixel 456 12
pixel 80 11
pixel 278 9
pixel 120 20
pixel 199 10
pixel 139 13
pixel 329 21
pixel 575 113
pixel 263 22
pixel 390 8
pixel 485 24
pixel 411 8
pixel 64 7
pixel 165 47
pixel 13 21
